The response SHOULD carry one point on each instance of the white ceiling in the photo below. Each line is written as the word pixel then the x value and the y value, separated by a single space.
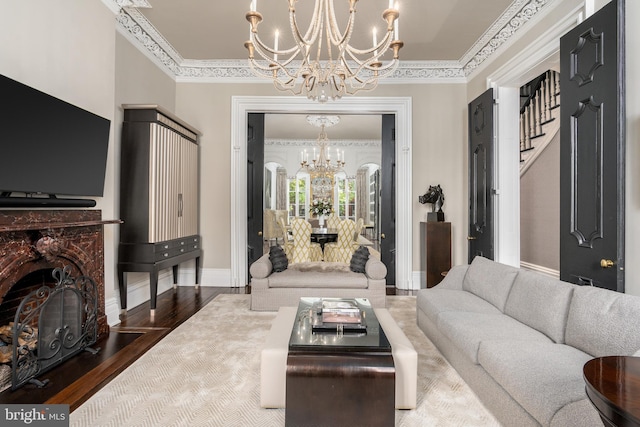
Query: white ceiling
pixel 430 29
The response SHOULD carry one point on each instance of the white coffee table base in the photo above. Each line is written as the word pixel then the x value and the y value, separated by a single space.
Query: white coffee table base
pixel 273 360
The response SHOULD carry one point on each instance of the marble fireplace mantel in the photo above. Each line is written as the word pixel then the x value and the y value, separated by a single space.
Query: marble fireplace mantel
pixel 32 240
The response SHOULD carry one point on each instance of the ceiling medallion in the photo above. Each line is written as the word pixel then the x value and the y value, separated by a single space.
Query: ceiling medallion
pixel 319 120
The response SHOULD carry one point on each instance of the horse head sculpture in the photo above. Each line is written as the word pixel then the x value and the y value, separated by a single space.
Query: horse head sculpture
pixel 435 196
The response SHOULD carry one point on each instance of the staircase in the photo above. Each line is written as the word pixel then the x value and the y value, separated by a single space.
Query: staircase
pixel 539 116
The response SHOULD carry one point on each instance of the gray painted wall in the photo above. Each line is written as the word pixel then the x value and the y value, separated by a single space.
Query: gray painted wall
pixel 540 209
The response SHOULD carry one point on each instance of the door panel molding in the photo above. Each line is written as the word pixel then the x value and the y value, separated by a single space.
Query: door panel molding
pixel 587 208
pixel 478 204
pixel 589 43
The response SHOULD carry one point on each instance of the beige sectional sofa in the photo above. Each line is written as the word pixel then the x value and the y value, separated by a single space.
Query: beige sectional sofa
pixel 272 290
pixel 520 339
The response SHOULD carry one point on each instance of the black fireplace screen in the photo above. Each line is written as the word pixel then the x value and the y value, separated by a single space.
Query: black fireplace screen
pixel 52 325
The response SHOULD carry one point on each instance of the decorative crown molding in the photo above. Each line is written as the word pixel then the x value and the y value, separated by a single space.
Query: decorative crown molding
pixel 504 29
pixel 149 39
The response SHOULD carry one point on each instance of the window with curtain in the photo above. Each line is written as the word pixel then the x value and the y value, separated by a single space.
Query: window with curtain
pixel 298 197
pixel 346 197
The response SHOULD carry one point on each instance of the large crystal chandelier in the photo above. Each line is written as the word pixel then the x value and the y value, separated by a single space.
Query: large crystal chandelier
pixel 321 164
pixel 322 64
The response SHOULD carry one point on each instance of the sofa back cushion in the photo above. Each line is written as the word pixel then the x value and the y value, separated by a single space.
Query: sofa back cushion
pixel 541 302
pixel 603 322
pixel 489 280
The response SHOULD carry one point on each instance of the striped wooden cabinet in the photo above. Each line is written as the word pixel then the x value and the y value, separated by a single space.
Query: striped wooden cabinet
pixel 159 196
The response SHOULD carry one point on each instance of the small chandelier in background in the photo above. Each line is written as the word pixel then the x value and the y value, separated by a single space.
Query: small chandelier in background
pixel 341 69
pixel 321 165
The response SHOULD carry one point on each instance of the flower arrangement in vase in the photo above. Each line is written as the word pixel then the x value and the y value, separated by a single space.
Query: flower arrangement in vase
pixel 321 207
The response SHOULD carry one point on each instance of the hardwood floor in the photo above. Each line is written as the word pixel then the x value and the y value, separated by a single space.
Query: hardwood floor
pixel 77 379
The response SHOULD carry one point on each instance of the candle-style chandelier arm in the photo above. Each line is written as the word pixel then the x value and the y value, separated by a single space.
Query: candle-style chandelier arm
pixel 313 31
pixel 337 37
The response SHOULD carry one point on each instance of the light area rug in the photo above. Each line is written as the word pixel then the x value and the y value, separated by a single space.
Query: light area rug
pixel 207 373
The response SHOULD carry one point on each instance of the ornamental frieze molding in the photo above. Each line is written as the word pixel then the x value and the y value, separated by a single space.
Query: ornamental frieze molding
pixel 139 29
pixel 358 143
pixel 519 13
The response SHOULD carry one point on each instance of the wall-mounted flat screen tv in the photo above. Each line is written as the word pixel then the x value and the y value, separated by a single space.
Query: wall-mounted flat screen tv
pixel 48 146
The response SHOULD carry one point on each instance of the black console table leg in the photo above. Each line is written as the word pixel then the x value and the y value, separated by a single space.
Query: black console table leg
pixel 122 286
pixel 175 276
pixel 197 272
pixel 153 281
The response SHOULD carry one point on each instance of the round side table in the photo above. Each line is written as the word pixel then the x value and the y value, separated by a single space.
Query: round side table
pixel 613 386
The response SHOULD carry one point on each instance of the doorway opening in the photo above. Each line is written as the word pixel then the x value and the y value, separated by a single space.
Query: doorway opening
pixel 398 106
pixel 541 55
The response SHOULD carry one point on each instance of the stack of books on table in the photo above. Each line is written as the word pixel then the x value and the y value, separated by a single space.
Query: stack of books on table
pixel 342 315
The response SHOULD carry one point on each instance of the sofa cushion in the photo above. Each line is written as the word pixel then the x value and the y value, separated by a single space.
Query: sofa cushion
pixel 434 301
pixel 603 322
pixel 326 280
pixel 278 258
pixel 577 414
pixel 320 266
pixel 468 330
pixel 375 269
pixel 489 280
pixel 359 259
pixel 261 268
pixel 541 302
pixel 542 377
pixel 454 278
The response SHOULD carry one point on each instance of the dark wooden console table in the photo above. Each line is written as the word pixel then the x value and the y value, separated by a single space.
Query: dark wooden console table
pixel 435 251
pixel 613 386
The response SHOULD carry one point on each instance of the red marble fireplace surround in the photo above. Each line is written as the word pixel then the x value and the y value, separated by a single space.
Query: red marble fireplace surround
pixel 32 240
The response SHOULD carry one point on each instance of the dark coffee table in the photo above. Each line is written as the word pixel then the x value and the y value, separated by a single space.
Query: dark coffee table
pixel 613 386
pixel 339 379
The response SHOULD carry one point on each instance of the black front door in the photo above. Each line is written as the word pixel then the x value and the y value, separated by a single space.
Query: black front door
pixel 255 177
pixel 481 224
pixel 387 197
pixel 592 150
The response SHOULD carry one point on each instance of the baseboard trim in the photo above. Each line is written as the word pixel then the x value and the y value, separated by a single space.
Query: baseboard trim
pixel 540 269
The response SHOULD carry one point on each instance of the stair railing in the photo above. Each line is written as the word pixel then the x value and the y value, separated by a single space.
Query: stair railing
pixel 541 97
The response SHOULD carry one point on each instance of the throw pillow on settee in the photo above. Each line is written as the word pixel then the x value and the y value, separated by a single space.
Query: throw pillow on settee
pixel 359 260
pixel 278 259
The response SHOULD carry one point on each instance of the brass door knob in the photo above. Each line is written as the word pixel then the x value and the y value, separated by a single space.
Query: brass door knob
pixel 382 236
pixel 259 233
pixel 606 263
pixel 471 238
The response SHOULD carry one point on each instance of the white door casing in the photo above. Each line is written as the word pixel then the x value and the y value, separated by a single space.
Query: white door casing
pixel 400 106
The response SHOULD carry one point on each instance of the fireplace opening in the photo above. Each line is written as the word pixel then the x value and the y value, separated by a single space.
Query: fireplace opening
pixel 47 317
